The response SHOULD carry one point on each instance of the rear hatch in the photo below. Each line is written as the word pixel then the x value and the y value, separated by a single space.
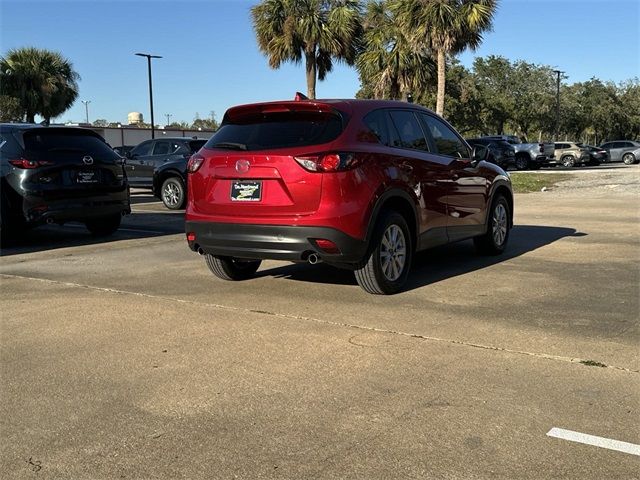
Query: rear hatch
pixel 250 166
pixel 70 162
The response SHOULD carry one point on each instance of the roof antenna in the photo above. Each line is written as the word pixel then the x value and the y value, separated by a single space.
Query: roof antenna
pixel 409 98
pixel 300 96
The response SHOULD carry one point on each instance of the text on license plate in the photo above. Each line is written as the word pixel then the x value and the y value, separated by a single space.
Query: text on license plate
pixel 87 177
pixel 246 191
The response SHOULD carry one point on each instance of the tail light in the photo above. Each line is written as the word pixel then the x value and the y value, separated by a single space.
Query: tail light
pixel 29 164
pixel 195 162
pixel 328 162
pixel 541 147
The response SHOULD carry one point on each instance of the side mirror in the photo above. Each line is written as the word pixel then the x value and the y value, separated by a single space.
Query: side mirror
pixel 479 153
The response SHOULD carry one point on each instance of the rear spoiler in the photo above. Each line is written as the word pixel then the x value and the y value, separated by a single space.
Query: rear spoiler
pixel 307 106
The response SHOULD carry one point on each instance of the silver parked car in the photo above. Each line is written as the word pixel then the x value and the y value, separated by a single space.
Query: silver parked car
pixel 625 151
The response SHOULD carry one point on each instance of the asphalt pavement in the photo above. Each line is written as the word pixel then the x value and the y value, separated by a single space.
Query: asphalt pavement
pixel 126 358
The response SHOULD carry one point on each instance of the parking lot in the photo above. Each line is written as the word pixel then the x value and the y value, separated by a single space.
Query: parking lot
pixel 126 358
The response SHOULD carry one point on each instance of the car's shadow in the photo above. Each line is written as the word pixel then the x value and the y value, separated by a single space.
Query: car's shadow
pixel 437 264
pixel 136 225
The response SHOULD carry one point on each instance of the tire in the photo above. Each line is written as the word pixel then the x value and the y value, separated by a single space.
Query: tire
pixel 495 240
pixel 102 227
pixel 522 162
pixel 628 159
pixel 232 269
pixel 568 161
pixel 173 193
pixel 391 250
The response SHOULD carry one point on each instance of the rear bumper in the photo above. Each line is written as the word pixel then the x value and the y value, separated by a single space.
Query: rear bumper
pixel 275 242
pixel 38 211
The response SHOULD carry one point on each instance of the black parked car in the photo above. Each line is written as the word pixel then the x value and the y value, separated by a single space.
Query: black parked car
pixel 500 152
pixel 57 175
pixel 167 156
pixel 170 177
pixel 597 155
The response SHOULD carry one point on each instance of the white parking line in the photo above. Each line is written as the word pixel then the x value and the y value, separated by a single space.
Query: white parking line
pixel 601 442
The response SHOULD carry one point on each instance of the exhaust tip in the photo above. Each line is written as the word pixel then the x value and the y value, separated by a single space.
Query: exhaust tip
pixel 313 259
pixel 49 221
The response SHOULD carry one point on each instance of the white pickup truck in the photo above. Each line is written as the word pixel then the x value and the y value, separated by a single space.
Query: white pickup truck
pixel 529 155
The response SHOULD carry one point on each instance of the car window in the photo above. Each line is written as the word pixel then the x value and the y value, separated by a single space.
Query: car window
pixel 627 144
pixel 277 130
pixel 376 122
pixel 409 130
pixel 45 142
pixel 162 148
pixel 143 149
pixel 196 145
pixel 445 139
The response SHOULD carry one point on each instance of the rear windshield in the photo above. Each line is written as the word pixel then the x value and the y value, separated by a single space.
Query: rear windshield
pixel 277 130
pixel 41 141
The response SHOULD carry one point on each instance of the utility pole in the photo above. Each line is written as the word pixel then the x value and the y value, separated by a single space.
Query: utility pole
pixel 86 109
pixel 168 115
pixel 149 57
pixel 557 130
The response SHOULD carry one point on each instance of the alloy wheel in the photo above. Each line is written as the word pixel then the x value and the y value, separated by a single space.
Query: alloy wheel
pixel 393 252
pixel 499 224
pixel 171 194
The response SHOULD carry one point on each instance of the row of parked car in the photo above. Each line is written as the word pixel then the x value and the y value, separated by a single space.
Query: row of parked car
pixel 508 151
pixel 360 185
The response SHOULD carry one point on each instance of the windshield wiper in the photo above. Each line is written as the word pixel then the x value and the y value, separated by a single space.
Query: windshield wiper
pixel 230 145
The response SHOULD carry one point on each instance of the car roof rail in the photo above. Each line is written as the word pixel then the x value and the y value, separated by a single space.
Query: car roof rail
pixel 300 97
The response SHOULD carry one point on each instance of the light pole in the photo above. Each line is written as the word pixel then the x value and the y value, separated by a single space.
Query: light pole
pixel 149 57
pixel 168 115
pixel 557 72
pixel 86 108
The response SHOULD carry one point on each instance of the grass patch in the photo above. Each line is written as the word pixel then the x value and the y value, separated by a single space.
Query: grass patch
pixel 592 363
pixel 534 182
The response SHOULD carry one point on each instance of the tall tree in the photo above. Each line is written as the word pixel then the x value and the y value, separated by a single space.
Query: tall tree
pixel 447 27
pixel 318 31
pixel 43 81
pixel 390 65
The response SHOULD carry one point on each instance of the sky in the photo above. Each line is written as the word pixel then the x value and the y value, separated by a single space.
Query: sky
pixel 211 60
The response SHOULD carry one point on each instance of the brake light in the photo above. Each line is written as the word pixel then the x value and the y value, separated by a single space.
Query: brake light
pixel 29 164
pixel 191 237
pixel 542 148
pixel 328 162
pixel 195 162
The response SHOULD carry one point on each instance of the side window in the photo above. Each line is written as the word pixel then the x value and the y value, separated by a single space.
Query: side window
pixel 627 144
pixel 175 146
pixel 143 149
pixel 162 148
pixel 409 129
pixel 445 139
pixel 376 123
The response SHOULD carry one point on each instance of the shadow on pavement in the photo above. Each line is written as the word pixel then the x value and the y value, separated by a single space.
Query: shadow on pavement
pixel 437 264
pixel 136 225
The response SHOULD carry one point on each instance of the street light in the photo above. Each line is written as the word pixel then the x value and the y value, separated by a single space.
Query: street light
pixel 86 108
pixel 557 72
pixel 168 115
pixel 149 57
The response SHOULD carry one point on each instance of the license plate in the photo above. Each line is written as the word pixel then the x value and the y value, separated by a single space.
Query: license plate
pixel 246 191
pixel 87 177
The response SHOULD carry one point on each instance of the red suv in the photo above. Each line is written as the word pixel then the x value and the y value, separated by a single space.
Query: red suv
pixel 357 184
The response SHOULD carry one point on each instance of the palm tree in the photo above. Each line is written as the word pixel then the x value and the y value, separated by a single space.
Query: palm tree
pixel 42 81
pixel 317 30
pixel 447 27
pixel 389 62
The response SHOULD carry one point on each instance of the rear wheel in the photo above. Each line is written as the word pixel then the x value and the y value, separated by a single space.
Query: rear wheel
pixel 522 162
pixel 495 240
pixel 231 268
pixel 101 227
pixel 568 161
pixel 628 159
pixel 389 261
pixel 173 193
